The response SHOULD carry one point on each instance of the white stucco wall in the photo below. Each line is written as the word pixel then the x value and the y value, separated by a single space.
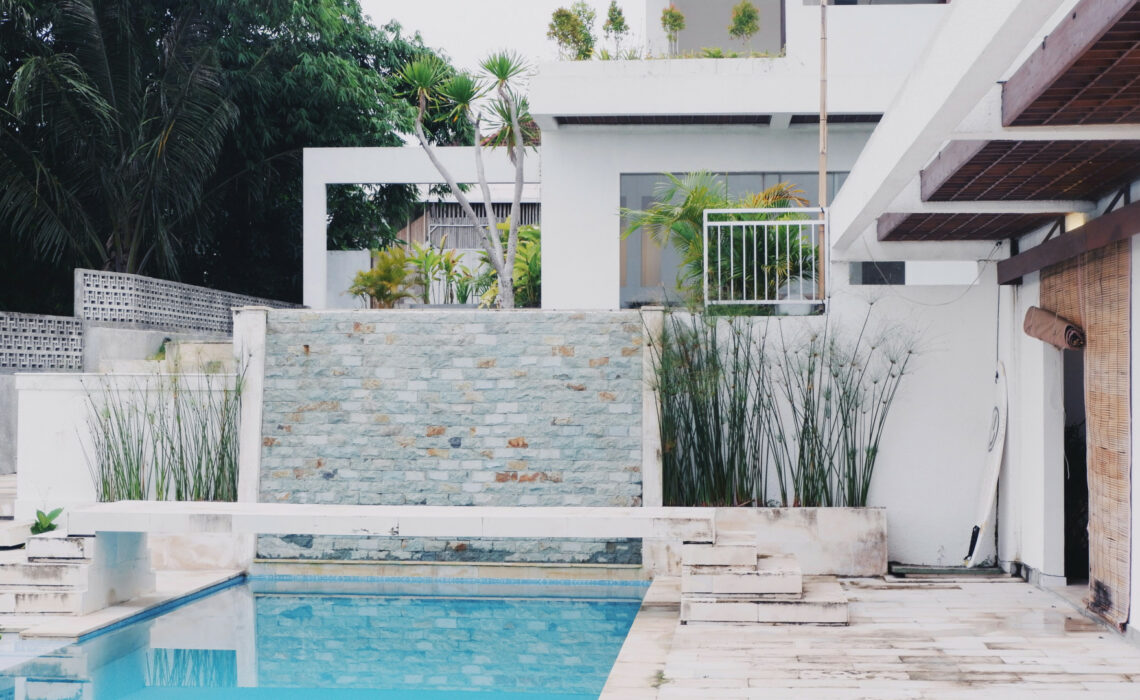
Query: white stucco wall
pixel 581 193
pixel 342 267
pixel 930 465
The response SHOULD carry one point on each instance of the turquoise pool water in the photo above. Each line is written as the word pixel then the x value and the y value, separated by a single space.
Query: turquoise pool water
pixel 320 639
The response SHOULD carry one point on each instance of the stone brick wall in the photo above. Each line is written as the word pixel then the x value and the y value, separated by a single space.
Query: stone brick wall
pixel 452 407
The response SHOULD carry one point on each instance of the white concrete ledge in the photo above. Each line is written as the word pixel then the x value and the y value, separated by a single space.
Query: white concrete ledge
pixel 152 517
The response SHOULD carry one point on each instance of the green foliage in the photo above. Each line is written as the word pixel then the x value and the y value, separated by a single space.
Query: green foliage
pixel 745 21
pixel 165 137
pixel 386 282
pixel 615 26
pixel 527 271
pixel 45 522
pixel 573 30
pixel 677 219
pixel 746 409
pixel 673 22
pixel 174 440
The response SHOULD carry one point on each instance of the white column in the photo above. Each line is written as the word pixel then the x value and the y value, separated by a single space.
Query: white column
pixel 315 223
pixel 249 353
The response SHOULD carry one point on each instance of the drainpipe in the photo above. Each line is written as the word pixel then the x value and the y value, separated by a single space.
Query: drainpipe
pixel 823 271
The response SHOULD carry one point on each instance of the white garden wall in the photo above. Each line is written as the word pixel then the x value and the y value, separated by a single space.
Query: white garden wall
pixel 53 438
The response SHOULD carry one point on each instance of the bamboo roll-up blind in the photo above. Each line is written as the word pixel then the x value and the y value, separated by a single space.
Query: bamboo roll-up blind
pixel 1093 290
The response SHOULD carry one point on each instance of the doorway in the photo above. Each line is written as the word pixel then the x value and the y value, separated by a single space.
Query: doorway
pixel 1076 472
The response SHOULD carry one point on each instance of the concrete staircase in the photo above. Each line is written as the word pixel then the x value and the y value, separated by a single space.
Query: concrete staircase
pixel 49 577
pixel 732 582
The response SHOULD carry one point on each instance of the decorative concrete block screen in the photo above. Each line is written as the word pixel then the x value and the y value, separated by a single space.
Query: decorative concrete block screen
pixel 146 302
pixel 442 407
pixel 31 343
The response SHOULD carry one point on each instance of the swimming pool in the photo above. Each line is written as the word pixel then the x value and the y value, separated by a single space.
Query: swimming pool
pixel 403 639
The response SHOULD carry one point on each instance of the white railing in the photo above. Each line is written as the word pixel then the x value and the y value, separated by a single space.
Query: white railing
pixel 765 256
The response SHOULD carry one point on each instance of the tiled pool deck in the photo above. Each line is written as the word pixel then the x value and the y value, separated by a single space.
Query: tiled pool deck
pixel 944 639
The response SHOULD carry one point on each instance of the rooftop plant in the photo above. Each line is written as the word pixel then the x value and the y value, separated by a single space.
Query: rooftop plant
pixel 573 30
pixel 673 22
pixel 386 282
pixel 615 27
pixel 745 22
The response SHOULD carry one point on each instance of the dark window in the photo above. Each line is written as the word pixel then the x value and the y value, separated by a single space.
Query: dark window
pixel 868 273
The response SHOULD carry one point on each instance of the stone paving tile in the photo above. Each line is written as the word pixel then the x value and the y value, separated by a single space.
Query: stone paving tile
pixel 949 639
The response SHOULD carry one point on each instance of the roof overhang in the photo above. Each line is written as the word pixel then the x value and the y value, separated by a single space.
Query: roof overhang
pixel 1062 132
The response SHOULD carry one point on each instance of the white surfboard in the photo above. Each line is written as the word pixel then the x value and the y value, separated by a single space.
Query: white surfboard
pixel 984 517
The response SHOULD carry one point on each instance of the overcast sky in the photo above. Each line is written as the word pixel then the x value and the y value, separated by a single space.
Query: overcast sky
pixel 467 31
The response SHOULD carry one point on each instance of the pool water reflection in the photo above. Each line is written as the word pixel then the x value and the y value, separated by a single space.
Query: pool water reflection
pixel 290 639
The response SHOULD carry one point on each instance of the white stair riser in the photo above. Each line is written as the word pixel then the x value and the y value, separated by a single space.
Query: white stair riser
pixel 764 612
pixel 57 690
pixel 60 548
pixel 14 533
pixel 27 603
pixel 759 584
pixel 718 555
pixel 38 574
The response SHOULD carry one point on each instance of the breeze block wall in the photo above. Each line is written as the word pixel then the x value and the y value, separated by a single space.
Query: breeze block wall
pixel 452 407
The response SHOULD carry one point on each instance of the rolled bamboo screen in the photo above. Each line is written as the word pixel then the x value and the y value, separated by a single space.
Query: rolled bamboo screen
pixel 1093 291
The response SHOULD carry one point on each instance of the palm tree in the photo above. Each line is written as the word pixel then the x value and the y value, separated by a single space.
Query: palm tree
pixel 429 83
pixel 676 218
pixel 107 144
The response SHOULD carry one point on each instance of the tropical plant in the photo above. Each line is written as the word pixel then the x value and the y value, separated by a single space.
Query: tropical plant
pixel 743 409
pixel 45 522
pixel 460 95
pixel 745 22
pixel 425 262
pixel 104 179
pixel 615 26
pixel 527 277
pixel 837 393
pixel 676 218
pixel 710 383
pixel 175 438
pixel 573 30
pixel 673 22
pixel 106 156
pixel 386 282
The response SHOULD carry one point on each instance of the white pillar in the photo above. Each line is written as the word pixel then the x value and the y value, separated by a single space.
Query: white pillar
pixel 315 224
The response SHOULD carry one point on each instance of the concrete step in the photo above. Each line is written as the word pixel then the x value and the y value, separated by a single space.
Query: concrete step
pixel 718 555
pixel 14 533
pixel 40 601
pixel 823 603
pixel 191 356
pixel 53 574
pixel 777 575
pixel 57 690
pixel 52 546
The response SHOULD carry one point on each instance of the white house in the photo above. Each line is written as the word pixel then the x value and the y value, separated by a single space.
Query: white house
pixel 989 149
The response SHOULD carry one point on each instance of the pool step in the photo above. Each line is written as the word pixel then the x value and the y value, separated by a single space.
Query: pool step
pixel 823 603
pixel 730 581
pixel 776 575
pixel 718 555
pixel 41 601
pixel 46 574
pixel 14 533
pixel 52 547
pixel 57 690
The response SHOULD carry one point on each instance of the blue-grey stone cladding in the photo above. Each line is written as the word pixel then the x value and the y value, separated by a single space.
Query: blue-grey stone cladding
pixel 452 407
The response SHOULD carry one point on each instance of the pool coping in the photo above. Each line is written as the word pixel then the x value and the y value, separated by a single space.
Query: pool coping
pixel 639 669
